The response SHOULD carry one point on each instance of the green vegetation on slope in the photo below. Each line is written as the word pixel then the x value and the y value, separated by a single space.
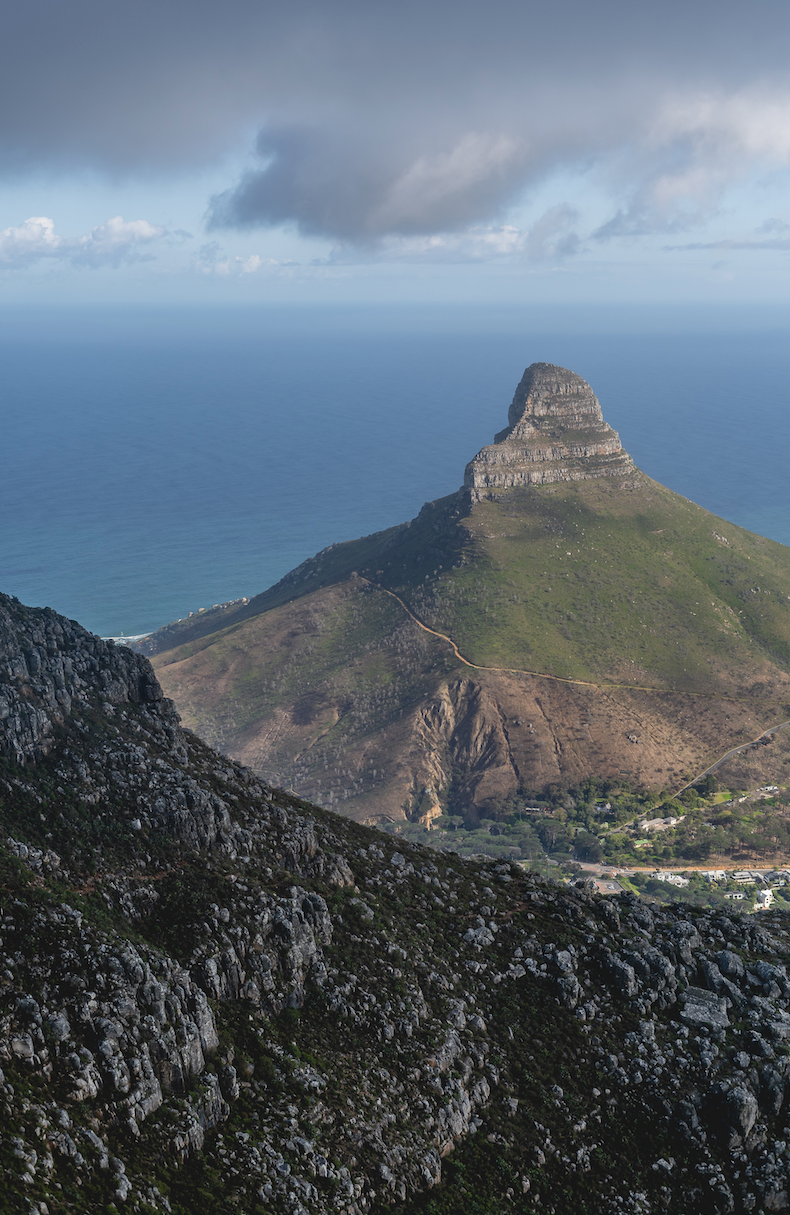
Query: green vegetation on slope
pixel 602 581
pixel 336 693
pixel 611 580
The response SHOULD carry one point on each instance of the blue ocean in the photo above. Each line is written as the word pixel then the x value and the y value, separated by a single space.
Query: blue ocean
pixel 155 461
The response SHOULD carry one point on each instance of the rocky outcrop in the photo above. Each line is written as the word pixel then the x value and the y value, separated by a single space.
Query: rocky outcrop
pixel 124 1022
pixel 194 965
pixel 555 432
pixel 48 663
pixel 460 731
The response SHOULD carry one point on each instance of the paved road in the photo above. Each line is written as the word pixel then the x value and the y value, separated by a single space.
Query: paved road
pixel 595 871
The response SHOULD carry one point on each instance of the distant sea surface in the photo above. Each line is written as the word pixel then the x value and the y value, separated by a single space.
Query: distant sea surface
pixel 156 461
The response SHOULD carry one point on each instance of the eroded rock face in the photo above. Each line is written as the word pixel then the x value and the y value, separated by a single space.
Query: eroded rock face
pixel 461 729
pixel 555 432
pixel 50 666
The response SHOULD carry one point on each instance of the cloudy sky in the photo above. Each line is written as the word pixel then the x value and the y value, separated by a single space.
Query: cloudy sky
pixel 365 149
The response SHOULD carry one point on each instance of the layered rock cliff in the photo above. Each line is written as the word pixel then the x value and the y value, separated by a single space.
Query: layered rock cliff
pixel 555 432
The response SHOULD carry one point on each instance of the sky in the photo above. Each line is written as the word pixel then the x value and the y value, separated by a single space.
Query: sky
pixel 365 150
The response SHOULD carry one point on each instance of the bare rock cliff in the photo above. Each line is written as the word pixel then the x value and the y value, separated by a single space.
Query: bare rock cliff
pixel 49 665
pixel 555 432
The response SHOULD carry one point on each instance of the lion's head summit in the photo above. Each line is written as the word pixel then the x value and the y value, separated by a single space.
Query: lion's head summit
pixel 560 616
pixel 555 432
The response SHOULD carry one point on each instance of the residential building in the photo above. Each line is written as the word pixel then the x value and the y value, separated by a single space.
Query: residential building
pixel 674 879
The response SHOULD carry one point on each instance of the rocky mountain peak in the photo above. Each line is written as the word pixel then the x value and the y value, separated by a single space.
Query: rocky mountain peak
pixel 555 432
pixel 551 392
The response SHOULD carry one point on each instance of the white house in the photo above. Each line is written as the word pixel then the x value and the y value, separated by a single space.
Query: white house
pixel 674 879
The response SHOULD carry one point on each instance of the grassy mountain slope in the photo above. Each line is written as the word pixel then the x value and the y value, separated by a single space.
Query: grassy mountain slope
pixel 615 580
pixel 675 623
pixel 331 565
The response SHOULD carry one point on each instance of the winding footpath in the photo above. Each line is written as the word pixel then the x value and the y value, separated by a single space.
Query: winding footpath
pixel 585 683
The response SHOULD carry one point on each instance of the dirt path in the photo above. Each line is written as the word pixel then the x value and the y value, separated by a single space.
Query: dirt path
pixel 476 665
pixel 585 683
pixel 735 750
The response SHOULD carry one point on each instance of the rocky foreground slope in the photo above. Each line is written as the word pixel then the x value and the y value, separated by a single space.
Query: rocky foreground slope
pixel 214 997
pixel 561 617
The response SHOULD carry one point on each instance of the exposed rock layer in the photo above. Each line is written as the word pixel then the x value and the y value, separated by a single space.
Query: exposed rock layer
pixel 555 432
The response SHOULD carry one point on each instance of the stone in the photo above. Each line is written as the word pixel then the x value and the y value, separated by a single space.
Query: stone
pixel 730 965
pixel 59 1027
pixel 555 432
pixel 702 1007
pixel 570 990
pixel 718 983
pixel 624 977
pixel 741 1110
pixel 229 1083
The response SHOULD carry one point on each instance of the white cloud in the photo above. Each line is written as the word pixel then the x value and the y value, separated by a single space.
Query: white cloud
pixel 108 244
pixel 755 123
pixel 211 259
pixel 552 238
pixel 115 241
pixel 33 239
pixel 698 146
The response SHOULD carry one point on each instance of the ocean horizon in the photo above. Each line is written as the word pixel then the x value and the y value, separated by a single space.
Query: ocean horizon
pixel 156 461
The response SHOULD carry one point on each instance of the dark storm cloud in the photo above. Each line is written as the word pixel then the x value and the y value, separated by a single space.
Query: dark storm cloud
pixel 354 186
pixel 372 120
